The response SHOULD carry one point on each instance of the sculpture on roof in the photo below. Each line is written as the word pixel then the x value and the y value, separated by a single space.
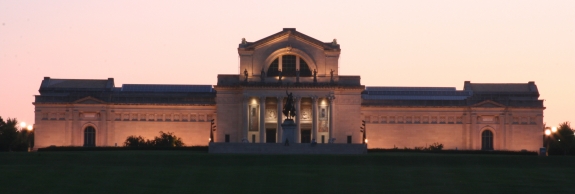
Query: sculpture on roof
pixel 331 76
pixel 314 76
pixel 263 75
pixel 246 75
pixel 244 41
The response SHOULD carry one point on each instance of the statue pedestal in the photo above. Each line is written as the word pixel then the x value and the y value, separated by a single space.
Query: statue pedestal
pixel 289 131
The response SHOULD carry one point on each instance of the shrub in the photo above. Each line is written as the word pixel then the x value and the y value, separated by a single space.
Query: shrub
pixel 435 147
pixel 168 140
pixel 139 141
pixel 164 140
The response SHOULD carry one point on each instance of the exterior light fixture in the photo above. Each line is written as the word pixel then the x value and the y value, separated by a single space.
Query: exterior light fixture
pixel 29 128
pixel 23 124
pixel 553 129
pixel 547 132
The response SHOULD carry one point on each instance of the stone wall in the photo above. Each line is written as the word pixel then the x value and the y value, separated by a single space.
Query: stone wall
pixel 64 124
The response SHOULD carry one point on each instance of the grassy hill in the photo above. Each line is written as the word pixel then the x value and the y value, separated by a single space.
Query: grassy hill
pixel 196 172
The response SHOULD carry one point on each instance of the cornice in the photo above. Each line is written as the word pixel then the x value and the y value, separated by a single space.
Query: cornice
pixel 153 104
pixel 239 86
pixel 468 107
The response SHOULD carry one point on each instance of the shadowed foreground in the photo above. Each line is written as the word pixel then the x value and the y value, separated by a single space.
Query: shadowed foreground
pixel 193 172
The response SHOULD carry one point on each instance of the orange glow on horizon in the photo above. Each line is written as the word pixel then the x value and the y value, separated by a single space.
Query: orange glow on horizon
pixel 387 43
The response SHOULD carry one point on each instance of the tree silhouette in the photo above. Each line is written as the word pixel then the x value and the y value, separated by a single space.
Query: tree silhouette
pixel 12 139
pixel 563 139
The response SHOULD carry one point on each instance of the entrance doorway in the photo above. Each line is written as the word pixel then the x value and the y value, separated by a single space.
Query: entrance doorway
pixel 270 135
pixel 89 137
pixel 306 136
pixel 487 140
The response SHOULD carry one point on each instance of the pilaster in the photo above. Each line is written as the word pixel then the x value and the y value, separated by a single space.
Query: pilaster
pixel 262 119
pixel 279 117
pixel 331 103
pixel 245 121
pixel 298 119
pixel 314 118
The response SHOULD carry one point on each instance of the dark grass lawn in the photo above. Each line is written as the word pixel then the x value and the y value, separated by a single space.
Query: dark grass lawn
pixel 195 172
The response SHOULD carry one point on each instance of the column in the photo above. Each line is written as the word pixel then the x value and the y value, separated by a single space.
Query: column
pixel 472 134
pixel 103 132
pixel 501 121
pixel 279 116
pixel 262 119
pixel 331 99
pixel 245 113
pixel 509 122
pixel 314 118
pixel 75 128
pixel 298 119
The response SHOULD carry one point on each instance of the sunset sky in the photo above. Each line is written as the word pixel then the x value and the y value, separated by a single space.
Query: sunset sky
pixel 388 43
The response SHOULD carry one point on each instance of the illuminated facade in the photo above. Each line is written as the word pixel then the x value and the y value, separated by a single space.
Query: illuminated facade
pixel 246 107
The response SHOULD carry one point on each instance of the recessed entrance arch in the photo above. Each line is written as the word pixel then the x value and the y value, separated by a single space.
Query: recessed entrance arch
pixel 89 137
pixel 487 140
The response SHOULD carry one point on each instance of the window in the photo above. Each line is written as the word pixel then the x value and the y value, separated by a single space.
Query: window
pixel 349 139
pixel 89 137
pixel 289 66
pixel 273 70
pixel 227 138
pixel 486 140
pixel 304 70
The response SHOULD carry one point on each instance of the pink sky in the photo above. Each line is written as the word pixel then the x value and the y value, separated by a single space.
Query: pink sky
pixel 388 43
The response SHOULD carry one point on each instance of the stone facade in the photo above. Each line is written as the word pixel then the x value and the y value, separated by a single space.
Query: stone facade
pixel 246 107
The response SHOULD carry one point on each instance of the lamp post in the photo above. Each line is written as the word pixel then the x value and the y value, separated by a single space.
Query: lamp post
pixel 22 125
pixel 548 133
pixel 27 131
pixel 30 137
pixel 364 131
pixel 212 129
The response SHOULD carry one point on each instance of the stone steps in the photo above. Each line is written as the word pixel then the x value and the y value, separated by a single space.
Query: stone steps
pixel 278 148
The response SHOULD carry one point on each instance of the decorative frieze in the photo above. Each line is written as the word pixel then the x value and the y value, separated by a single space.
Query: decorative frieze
pixel 413 119
pixel 158 117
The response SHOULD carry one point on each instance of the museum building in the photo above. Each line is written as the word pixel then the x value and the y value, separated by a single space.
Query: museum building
pixel 246 107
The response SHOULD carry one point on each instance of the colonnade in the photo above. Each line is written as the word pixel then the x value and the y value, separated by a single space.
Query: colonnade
pixel 279 116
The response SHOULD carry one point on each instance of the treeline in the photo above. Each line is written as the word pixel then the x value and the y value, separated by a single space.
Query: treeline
pixel 14 139
pixel 561 142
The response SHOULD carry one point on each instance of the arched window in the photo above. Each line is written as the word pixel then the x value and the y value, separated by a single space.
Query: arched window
pixel 89 137
pixel 486 140
pixel 288 66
